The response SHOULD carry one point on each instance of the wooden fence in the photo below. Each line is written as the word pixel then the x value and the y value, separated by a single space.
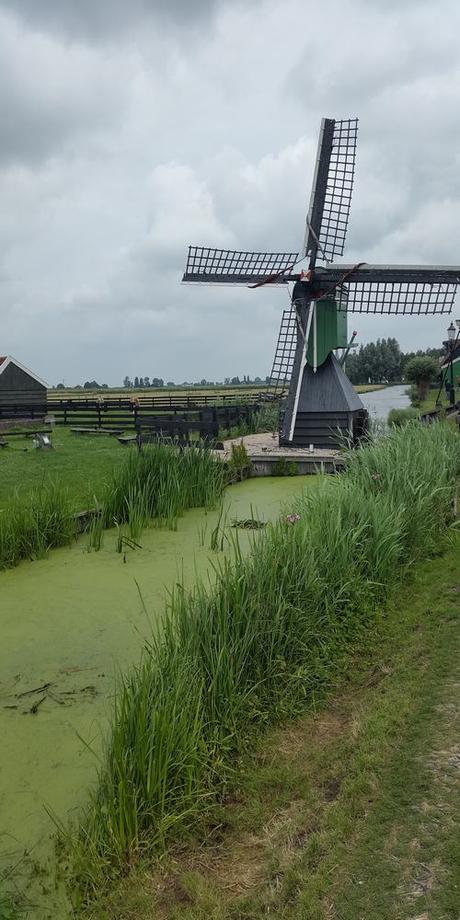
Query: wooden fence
pixel 176 420
pixel 184 426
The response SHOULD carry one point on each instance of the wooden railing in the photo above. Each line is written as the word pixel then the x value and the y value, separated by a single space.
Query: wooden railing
pixel 125 414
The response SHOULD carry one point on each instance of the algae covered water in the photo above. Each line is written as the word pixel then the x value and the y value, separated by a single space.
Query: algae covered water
pixel 68 623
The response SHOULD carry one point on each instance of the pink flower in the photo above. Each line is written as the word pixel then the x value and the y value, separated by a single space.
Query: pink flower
pixel 292 518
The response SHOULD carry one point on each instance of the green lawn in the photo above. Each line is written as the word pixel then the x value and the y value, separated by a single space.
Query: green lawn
pixel 80 463
pixel 430 403
pixel 351 812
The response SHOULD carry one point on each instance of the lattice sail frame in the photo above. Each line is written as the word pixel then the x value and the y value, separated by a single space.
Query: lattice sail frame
pixel 283 362
pixel 330 201
pixel 227 266
pixel 395 297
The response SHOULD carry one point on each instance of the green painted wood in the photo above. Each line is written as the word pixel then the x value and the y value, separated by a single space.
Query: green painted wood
pixel 331 331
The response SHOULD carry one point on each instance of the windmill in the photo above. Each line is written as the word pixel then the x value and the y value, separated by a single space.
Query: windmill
pixel 321 403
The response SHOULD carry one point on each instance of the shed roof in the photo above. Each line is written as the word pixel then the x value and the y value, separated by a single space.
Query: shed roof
pixel 6 360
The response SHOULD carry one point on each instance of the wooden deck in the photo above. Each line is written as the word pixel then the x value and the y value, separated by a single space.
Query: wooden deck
pixel 265 452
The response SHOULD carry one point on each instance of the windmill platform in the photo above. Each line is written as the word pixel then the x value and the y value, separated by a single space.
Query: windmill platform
pixel 265 453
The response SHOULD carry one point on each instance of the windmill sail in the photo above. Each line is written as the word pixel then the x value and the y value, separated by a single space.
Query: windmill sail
pixel 330 201
pixel 226 266
pixel 397 289
pixel 397 298
pixel 283 361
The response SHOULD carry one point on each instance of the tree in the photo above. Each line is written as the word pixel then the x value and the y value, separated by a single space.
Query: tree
pixel 136 381
pixel 375 362
pixel 141 381
pixel 146 381
pixel 421 371
pixel 170 383
pixel 126 382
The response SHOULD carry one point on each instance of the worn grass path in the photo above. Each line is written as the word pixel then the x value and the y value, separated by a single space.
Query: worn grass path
pixel 352 813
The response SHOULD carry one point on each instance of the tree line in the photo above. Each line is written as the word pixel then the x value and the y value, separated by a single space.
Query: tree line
pixel 384 362
pixel 377 362
pixel 142 382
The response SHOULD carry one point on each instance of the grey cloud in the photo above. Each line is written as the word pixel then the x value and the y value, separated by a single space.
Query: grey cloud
pixel 50 95
pixel 99 20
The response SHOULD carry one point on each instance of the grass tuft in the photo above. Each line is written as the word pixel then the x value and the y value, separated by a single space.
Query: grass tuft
pixel 31 525
pixel 159 483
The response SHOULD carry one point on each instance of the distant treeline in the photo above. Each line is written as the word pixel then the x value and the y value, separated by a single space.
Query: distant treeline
pixel 378 362
pixel 139 382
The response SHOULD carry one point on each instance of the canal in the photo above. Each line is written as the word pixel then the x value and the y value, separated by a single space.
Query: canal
pixel 379 402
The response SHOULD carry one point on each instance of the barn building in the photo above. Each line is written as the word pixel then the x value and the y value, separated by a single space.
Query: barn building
pixel 22 393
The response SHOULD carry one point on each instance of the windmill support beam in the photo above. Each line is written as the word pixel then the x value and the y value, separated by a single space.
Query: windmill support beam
pixel 391 274
pixel 318 194
pixel 332 274
pixel 305 313
pixel 304 310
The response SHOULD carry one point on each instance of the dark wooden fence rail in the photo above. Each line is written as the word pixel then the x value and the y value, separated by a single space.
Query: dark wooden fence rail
pixel 181 427
pixel 122 415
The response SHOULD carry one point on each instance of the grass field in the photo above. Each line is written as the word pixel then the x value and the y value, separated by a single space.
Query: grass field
pixel 349 812
pixel 430 403
pixel 81 464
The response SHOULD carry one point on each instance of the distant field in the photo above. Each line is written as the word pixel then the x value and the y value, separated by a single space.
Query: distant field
pixel 198 393
pixel 179 393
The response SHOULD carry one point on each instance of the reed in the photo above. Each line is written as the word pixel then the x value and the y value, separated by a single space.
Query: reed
pixel 263 641
pixel 32 524
pixel 95 530
pixel 159 483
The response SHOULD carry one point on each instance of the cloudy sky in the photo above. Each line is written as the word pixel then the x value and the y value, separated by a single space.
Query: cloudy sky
pixel 130 129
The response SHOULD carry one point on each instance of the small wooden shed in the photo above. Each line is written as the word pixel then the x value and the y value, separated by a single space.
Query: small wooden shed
pixel 21 391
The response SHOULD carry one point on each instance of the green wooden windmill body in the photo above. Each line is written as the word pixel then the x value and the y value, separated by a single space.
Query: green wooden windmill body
pixel 331 332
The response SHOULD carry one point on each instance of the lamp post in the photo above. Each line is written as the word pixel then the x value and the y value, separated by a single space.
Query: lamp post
pixel 452 335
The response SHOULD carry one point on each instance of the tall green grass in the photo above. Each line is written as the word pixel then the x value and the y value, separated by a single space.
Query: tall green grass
pixel 32 524
pixel 263 641
pixel 159 483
